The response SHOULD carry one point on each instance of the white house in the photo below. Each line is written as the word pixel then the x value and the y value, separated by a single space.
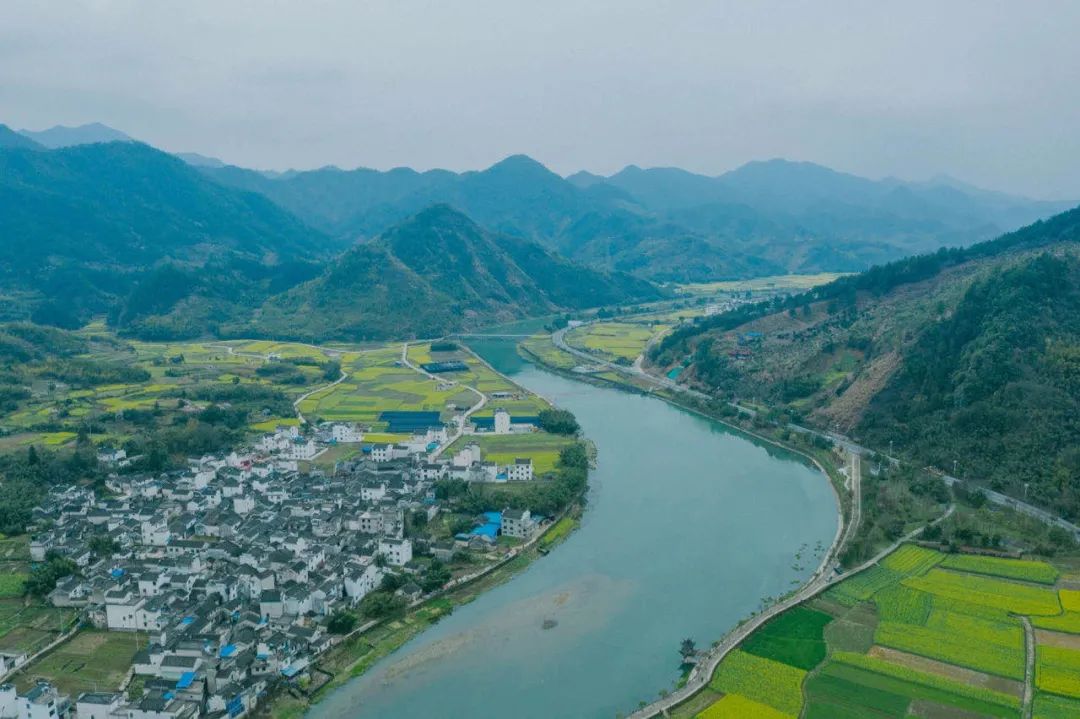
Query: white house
pixel 518 523
pixel 301 450
pixel 43 701
pixel 502 421
pixel 97 705
pixel 398 552
pixel 359 580
pixel 521 470
pixel 382 452
pixel 346 433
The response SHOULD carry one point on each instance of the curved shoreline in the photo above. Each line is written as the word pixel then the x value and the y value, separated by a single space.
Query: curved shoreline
pixel 702 671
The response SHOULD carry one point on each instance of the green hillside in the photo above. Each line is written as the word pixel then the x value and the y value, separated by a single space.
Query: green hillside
pixel 964 358
pixel 434 273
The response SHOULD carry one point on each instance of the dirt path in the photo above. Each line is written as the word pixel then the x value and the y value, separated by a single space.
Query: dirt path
pixel 1029 667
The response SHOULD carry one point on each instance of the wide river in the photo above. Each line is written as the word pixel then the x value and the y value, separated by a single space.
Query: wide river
pixel 688 527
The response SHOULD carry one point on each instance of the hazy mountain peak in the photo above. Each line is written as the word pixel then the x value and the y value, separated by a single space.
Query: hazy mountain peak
pixel 64 136
pixel 11 139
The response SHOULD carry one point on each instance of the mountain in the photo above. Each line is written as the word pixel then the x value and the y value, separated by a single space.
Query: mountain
pixel 197 160
pixel 63 136
pixel 124 229
pixel 966 357
pixel 437 272
pixel 11 139
pixel 665 223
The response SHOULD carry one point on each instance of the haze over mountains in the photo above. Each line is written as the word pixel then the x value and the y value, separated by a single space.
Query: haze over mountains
pixel 165 247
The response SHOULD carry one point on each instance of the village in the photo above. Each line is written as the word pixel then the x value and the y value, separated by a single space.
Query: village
pixel 231 572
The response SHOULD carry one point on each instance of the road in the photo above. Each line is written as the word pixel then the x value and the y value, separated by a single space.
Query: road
pixel 460 430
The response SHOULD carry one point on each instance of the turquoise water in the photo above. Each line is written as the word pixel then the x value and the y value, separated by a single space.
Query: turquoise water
pixel 688 527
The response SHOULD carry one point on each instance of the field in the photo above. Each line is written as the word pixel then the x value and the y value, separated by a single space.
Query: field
pixel 378 382
pixel 502 392
pixel 92 660
pixel 542 447
pixel 613 340
pixel 1028 571
pixel 177 370
pixel 1057 670
pixel 777 282
pixel 28 628
pixel 761 680
pixel 920 634
pixel 794 638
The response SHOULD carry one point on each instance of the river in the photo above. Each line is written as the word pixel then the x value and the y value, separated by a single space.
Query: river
pixel 688 527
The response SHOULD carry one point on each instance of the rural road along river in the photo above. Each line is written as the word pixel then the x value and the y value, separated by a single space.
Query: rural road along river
pixel 688 527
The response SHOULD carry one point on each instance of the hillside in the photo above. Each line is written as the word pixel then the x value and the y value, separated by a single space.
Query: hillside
pixel 438 272
pixel 966 356
pixel 664 223
pixel 127 230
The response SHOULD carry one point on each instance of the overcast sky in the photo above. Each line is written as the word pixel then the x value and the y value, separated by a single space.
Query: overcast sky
pixel 986 91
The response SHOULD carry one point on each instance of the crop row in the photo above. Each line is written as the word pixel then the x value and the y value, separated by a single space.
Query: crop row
pixel 997 593
pixel 736 706
pixel 966 641
pixel 912 560
pixel 1030 571
pixel 761 680
pixel 1057 670
pixel 1068 622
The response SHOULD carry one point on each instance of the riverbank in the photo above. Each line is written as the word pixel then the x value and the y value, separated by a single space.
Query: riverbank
pixel 361 649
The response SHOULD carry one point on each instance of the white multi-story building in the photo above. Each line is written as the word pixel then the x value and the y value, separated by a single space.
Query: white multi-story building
pixel 502 421
pixel 518 523
pixel 521 470
pixel 398 552
pixel 346 433
pixel 382 452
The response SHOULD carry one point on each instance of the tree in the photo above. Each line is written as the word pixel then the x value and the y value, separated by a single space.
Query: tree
pixel 558 421
pixel 435 577
pixel 43 577
pixel 103 545
pixel 379 604
pixel 687 649
pixel 341 622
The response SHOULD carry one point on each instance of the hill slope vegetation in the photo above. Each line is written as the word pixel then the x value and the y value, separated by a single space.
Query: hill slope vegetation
pixel 964 359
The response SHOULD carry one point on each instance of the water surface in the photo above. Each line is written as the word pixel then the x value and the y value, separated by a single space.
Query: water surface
pixel 688 527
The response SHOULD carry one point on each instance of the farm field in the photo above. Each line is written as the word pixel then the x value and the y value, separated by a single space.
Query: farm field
pixel 613 340
pixel 501 392
pixel 29 627
pixel 775 282
pixel 378 382
pixel 92 660
pixel 920 634
pixel 164 378
pixel 542 447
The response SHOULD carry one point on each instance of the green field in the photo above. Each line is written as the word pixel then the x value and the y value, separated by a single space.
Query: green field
pixel 29 627
pixel 93 660
pixel 920 634
pixel 613 340
pixel 775 282
pixel 542 447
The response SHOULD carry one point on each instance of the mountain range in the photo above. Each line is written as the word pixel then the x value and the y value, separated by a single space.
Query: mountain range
pixel 93 222
pixel 138 235
pixel 665 224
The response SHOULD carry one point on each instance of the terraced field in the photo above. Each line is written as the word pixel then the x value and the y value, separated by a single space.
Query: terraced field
pixel 920 634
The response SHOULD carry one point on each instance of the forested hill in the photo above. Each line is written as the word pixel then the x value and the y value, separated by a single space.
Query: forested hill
pixel 125 230
pixel 439 272
pixel 967 359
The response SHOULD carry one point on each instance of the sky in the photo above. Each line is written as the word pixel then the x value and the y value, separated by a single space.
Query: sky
pixel 982 90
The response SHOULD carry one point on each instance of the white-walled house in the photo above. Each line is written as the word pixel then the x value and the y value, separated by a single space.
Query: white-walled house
pixel 521 470
pixel 398 552
pixel 502 421
pixel 346 433
pixel 518 523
